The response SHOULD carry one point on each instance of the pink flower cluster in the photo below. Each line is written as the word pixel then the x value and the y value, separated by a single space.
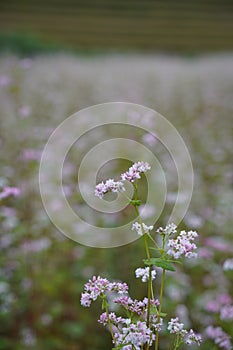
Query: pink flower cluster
pixel 116 186
pixel 134 171
pixel 219 336
pixel 108 186
pixel 128 335
pixel 99 286
pixel 222 304
pixel 183 245
pixel 135 306
pixel 135 334
pixel 189 337
pixel 9 191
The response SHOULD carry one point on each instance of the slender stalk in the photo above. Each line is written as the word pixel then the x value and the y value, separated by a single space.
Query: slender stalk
pixel 160 296
pixel 149 283
pixel 160 307
pixel 109 322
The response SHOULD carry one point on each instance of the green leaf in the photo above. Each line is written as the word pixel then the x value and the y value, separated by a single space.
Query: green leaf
pixel 165 264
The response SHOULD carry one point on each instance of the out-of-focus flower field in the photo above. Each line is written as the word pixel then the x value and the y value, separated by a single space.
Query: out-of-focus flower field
pixel 42 272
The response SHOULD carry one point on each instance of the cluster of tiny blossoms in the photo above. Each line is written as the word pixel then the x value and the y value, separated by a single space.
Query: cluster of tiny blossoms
pixel 183 245
pixel 127 334
pixel 168 230
pixel 108 186
pixel 117 186
pixel 189 337
pixel 144 273
pixel 134 171
pixel 135 306
pixel 141 228
pixel 99 286
pixel 219 336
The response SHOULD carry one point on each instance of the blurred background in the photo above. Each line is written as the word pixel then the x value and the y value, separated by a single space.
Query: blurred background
pixel 57 57
pixel 150 25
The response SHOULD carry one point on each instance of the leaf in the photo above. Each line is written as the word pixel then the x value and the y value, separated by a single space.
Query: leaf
pixel 165 264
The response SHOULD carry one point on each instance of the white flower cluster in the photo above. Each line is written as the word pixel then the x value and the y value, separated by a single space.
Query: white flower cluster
pixel 135 334
pixel 176 327
pixel 228 265
pixel 168 230
pixel 144 273
pixel 141 228
pixel 116 186
pixel 108 186
pixel 183 245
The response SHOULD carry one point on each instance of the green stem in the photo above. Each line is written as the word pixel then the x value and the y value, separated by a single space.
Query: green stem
pixel 160 307
pixel 109 322
pixel 160 295
pixel 149 283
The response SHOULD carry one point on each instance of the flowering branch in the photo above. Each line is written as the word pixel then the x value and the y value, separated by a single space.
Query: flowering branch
pixel 144 321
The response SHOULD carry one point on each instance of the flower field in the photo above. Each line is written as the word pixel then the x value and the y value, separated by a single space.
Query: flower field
pixel 43 273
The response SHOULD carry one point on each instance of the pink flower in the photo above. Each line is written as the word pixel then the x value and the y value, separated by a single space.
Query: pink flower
pixel 183 245
pixel 109 186
pixel 220 338
pixel 9 191
pixel 134 171
pixel 24 111
pixel 99 286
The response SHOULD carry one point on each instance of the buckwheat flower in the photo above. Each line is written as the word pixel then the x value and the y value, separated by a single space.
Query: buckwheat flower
pixel 119 287
pixel 93 289
pixel 168 230
pixel 100 190
pixel 183 245
pixel 135 306
pixel 133 336
pixel 228 265
pixel 9 191
pixel 192 337
pixel 174 326
pixel 220 338
pixel 98 286
pixel 155 324
pixel 86 299
pixel 141 228
pixel 109 186
pixel 144 273
pixel 104 318
pixel 226 313
pixel 134 171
